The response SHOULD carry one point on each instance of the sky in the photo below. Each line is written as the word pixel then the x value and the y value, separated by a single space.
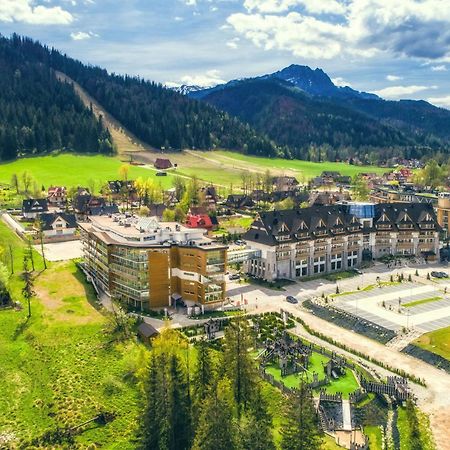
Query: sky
pixel 394 48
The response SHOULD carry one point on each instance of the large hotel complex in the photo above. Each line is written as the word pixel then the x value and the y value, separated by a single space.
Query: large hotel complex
pixel 146 264
pixel 317 240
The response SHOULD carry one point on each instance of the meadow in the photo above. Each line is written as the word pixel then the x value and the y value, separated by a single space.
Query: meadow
pixel 222 168
pixel 72 170
pixel 60 368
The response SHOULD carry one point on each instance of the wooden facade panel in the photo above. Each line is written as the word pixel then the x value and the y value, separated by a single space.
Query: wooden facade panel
pixel 159 280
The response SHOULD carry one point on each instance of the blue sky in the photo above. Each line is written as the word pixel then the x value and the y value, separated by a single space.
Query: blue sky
pixel 396 48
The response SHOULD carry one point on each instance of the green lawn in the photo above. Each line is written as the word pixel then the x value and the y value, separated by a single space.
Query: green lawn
pixel 305 169
pixel 59 368
pixel 375 437
pixel 75 170
pixel 346 384
pixel 437 342
pixel 421 302
pixel 426 436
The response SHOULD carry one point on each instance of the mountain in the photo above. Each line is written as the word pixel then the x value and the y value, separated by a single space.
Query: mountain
pixel 302 123
pixel 302 109
pixel 185 89
pixel 156 115
pixel 39 114
pixel 316 82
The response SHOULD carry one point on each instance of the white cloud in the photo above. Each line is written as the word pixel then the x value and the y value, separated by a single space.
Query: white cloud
pixel 440 68
pixel 361 28
pixel 393 78
pixel 82 35
pixel 178 19
pixel 27 12
pixel 191 2
pixel 396 92
pixel 444 102
pixel 339 81
pixel 233 43
pixel 312 6
pixel 207 79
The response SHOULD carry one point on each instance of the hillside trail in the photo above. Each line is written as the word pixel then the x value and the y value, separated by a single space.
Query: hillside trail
pixel 125 140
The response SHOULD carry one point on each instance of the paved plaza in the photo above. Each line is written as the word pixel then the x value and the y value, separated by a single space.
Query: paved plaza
pixel 61 251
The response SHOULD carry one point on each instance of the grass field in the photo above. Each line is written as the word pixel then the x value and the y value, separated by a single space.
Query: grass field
pixel 58 368
pixel 421 302
pixel 375 437
pixel 346 384
pixel 304 170
pixel 75 170
pixel 437 342
pixel 224 169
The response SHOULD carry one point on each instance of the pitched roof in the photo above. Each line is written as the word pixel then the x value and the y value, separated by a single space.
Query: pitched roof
pixel 162 163
pixel 48 219
pixel 302 223
pixel 35 205
pixel 146 330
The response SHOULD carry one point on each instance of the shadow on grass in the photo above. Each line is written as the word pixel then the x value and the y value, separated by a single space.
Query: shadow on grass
pixel 21 328
pixel 88 290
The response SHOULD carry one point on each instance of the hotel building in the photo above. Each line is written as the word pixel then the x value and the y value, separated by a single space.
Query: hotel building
pixel 310 241
pixel 147 264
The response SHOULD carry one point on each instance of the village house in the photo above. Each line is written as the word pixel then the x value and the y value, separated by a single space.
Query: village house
pixel 33 207
pixel 198 217
pixel 56 195
pixel 320 198
pixel 162 164
pixel 239 201
pixel 284 183
pixel 57 225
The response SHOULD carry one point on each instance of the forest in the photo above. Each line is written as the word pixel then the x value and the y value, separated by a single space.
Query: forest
pixel 160 117
pixel 39 114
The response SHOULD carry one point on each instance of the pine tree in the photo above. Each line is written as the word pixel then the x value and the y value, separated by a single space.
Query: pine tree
pixel 216 429
pixel 300 430
pixel 203 375
pixel 238 364
pixel 256 431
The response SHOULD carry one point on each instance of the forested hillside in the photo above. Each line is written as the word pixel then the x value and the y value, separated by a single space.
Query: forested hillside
pixel 302 123
pixel 39 114
pixel 158 116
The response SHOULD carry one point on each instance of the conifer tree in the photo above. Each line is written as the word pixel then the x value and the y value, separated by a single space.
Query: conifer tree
pixel 256 431
pixel 216 429
pixel 300 430
pixel 238 364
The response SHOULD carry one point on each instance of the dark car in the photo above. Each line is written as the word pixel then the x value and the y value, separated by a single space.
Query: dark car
pixel 291 299
pixel 234 276
pixel 436 274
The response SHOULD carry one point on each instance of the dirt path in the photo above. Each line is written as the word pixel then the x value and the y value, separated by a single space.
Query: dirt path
pixel 125 140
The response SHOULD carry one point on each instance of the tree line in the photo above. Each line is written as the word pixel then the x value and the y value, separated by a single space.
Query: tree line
pixel 217 401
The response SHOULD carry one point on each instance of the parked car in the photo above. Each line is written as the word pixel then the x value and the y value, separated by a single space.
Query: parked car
pixel 234 276
pixel 358 271
pixel 291 299
pixel 436 274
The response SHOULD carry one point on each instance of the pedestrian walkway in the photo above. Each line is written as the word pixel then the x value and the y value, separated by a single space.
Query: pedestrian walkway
pixel 346 415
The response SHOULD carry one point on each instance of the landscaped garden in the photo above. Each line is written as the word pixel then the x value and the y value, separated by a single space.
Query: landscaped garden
pixel 345 384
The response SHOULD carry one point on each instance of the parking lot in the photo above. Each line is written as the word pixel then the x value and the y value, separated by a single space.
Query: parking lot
pixel 384 306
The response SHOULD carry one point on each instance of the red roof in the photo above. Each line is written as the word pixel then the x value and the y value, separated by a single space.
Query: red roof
pixel 162 163
pixel 199 221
